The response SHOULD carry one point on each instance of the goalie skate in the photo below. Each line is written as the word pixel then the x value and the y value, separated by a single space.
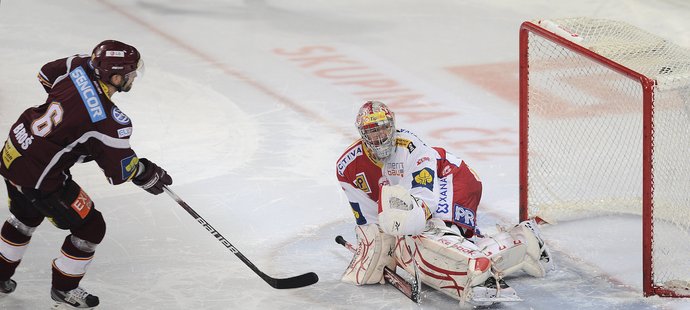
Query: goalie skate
pixel 77 298
pixel 491 292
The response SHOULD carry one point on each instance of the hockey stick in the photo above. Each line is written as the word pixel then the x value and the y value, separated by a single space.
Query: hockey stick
pixel 278 283
pixel 408 289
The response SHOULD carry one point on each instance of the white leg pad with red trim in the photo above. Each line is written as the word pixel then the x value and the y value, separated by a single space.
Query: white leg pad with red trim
pixel 374 252
pixel 519 248
pixel 447 262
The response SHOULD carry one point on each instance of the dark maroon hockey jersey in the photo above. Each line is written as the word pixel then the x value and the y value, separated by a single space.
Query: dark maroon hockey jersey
pixel 77 123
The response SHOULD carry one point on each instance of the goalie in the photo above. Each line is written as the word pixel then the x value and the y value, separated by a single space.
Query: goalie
pixel 415 207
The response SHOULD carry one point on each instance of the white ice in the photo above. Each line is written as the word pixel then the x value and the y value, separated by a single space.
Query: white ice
pixel 250 131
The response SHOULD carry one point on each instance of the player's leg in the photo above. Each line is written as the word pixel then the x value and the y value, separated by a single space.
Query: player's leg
pixel 518 248
pixel 374 252
pixel 15 235
pixel 453 265
pixel 70 208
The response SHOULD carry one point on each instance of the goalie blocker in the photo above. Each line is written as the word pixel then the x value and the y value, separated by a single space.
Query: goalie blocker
pixel 464 270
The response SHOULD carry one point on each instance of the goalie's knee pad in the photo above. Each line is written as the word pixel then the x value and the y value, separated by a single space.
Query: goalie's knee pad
pixel 520 248
pixel 375 251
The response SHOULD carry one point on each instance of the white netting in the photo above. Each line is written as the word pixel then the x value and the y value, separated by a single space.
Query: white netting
pixel 585 133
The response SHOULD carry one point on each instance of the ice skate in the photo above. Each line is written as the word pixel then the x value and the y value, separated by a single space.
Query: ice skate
pixel 492 291
pixel 8 286
pixel 77 298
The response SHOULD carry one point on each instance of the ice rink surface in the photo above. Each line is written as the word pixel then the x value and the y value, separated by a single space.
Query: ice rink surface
pixel 248 104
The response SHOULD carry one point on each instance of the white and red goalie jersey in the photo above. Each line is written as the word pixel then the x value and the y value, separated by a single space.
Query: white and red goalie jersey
pixel 448 187
pixel 412 164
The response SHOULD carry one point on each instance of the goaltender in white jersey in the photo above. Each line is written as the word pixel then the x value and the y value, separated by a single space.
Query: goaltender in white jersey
pixel 416 207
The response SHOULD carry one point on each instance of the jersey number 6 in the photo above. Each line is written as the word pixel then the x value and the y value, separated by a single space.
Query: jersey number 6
pixel 43 125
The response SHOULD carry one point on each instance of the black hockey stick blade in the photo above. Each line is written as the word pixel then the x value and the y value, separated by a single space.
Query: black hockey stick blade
pixel 283 283
pixel 292 282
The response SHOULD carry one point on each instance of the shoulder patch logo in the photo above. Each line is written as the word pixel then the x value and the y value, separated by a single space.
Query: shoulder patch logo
pixel 120 117
pixel 423 178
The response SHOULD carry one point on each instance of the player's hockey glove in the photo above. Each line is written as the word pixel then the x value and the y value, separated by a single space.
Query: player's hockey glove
pixel 150 177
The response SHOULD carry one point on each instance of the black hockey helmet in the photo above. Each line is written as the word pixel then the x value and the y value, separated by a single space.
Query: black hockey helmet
pixel 112 57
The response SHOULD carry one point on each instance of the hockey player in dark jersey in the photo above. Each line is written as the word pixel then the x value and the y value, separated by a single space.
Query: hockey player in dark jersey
pixel 77 123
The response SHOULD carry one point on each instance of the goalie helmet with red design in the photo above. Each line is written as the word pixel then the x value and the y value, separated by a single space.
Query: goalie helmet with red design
pixel 112 58
pixel 376 125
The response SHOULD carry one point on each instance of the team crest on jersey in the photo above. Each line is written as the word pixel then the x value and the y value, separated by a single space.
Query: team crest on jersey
pixel 129 166
pixel 349 157
pixel 120 117
pixel 423 178
pixel 361 182
pixel 406 144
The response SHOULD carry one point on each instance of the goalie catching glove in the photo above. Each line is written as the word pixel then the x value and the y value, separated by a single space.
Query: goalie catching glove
pixel 151 177
pixel 400 213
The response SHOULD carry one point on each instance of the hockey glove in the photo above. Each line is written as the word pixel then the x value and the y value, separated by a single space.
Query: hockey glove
pixel 150 177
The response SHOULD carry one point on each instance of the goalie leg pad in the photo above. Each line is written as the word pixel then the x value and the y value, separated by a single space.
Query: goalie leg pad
pixel 449 263
pixel 520 248
pixel 374 252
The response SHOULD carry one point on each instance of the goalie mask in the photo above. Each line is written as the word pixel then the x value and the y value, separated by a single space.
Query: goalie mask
pixel 376 125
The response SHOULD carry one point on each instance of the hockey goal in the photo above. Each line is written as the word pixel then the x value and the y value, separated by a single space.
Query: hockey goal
pixel 605 129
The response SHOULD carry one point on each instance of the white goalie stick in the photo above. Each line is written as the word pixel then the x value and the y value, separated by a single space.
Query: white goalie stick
pixel 411 290
pixel 278 283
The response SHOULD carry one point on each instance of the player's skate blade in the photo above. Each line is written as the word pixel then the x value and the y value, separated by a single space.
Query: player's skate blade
pixel 77 298
pixel 488 293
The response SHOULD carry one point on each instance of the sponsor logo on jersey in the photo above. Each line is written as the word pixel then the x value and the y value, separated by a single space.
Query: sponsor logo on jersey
pixel 88 94
pixel 361 183
pixel 463 216
pixel 120 117
pixel 394 169
pixel 406 144
pixel 129 166
pixel 423 159
pixel 358 213
pixel 443 204
pixel 124 132
pixel 423 178
pixel 446 170
pixel 9 154
pixel 82 204
pixel 349 157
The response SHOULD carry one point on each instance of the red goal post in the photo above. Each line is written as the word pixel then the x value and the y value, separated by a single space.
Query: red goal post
pixel 605 129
